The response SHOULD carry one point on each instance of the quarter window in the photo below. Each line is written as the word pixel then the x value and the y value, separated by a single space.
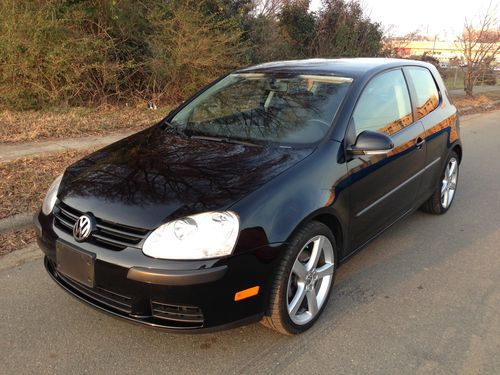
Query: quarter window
pixel 384 105
pixel 426 90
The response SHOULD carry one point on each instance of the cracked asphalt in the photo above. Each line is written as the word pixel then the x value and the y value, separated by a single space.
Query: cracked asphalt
pixel 423 298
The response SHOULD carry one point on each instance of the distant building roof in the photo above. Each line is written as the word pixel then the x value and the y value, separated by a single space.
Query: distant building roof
pixel 439 49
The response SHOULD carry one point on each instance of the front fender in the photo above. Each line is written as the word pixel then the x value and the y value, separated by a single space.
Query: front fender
pixel 315 186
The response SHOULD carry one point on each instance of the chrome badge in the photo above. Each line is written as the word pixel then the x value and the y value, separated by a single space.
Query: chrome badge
pixel 83 228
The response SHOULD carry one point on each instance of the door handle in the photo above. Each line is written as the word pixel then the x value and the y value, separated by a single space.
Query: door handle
pixel 420 143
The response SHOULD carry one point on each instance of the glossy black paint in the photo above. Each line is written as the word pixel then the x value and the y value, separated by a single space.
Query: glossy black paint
pixel 157 176
pixel 369 142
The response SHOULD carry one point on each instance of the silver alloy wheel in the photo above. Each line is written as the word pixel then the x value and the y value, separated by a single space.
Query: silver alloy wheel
pixel 449 183
pixel 310 280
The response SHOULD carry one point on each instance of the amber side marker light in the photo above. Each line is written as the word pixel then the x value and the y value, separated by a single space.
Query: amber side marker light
pixel 250 292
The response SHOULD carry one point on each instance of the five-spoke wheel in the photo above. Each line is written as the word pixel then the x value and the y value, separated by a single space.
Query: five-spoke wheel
pixel 310 279
pixel 304 280
pixel 449 183
pixel 442 197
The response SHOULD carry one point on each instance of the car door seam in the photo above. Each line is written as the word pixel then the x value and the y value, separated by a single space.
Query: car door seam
pixel 371 205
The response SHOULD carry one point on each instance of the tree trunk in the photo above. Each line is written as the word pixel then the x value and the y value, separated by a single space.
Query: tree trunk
pixel 468 82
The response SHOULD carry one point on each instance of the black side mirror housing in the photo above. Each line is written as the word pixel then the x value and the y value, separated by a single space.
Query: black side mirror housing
pixel 371 142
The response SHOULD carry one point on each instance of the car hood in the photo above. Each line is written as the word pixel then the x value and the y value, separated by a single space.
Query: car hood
pixel 155 176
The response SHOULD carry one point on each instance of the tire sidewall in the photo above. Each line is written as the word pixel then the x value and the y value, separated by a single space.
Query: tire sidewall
pixel 311 230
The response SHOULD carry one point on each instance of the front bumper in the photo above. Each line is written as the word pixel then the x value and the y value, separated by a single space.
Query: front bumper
pixel 174 295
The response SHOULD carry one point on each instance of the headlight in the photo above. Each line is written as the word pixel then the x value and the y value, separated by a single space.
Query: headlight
pixel 206 235
pixel 51 197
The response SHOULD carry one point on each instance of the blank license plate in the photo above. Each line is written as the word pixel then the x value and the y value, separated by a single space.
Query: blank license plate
pixel 75 263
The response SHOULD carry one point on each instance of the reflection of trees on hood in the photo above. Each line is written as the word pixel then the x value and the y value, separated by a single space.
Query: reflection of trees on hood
pixel 156 167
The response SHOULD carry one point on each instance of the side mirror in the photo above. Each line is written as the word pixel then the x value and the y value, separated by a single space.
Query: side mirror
pixel 371 143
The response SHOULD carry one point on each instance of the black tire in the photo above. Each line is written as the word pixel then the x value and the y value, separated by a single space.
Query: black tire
pixel 433 205
pixel 277 316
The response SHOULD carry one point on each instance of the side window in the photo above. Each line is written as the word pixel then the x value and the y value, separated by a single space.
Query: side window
pixel 384 105
pixel 426 90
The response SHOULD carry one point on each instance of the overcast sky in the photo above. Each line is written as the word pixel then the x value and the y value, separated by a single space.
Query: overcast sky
pixel 442 17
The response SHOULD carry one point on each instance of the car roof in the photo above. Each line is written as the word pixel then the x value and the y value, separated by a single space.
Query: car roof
pixel 346 67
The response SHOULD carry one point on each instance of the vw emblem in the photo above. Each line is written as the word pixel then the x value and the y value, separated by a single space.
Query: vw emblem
pixel 83 227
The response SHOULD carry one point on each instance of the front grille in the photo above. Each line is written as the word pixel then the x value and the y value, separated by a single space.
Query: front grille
pixel 107 234
pixel 102 296
pixel 180 316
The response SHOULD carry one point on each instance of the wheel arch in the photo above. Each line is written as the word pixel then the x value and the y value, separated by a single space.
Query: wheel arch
pixel 332 221
pixel 457 147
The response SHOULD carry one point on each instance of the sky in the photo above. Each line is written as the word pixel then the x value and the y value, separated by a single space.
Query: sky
pixel 443 18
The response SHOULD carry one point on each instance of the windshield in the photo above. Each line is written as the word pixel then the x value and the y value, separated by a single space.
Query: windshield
pixel 259 107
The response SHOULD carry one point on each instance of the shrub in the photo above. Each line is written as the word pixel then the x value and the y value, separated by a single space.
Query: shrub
pixel 99 52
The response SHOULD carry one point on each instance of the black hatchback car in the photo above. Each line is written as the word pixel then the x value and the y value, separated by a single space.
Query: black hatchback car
pixel 240 205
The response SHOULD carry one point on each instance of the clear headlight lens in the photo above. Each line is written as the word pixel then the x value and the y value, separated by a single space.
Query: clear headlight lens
pixel 206 235
pixel 51 197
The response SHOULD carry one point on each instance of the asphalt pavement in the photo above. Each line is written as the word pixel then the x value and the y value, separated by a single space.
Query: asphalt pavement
pixel 423 298
pixel 477 90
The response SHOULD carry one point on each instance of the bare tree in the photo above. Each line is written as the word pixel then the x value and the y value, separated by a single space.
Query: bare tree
pixel 480 43
pixel 266 8
pixel 270 8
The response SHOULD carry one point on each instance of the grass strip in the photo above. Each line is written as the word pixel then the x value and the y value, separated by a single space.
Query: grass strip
pixel 15 240
pixel 73 122
pixel 24 181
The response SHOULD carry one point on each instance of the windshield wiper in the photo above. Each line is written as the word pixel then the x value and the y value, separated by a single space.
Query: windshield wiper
pixel 225 140
pixel 168 126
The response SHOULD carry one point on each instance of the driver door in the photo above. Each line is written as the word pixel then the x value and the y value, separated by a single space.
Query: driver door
pixel 384 187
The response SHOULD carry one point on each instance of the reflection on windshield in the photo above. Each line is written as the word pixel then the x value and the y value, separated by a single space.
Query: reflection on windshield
pixel 262 107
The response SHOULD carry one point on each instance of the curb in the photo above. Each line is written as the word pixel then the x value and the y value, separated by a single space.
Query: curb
pixel 15 150
pixel 465 111
pixel 19 257
pixel 16 222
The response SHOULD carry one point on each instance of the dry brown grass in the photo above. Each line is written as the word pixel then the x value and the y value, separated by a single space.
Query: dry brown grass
pixel 15 240
pixel 24 181
pixel 477 101
pixel 73 122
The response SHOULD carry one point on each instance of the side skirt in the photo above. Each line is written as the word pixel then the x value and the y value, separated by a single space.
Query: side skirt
pixel 360 247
